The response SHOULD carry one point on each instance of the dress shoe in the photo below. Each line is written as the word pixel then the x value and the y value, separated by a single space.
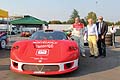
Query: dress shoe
pixel 91 56
pixel 96 57
pixel 99 55
pixel 83 55
pixel 103 56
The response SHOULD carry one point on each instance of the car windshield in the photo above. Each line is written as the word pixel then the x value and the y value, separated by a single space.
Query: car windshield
pixel 42 35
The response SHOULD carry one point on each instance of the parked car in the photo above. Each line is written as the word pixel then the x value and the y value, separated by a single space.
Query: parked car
pixel 12 30
pixel 48 52
pixel 3 40
pixel 25 34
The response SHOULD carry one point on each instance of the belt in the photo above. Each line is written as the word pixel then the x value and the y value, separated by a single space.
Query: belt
pixel 91 35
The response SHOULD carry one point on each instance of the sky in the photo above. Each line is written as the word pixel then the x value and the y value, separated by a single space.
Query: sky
pixel 62 9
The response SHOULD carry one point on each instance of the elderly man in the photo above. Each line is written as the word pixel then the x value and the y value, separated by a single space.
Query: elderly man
pixel 92 38
pixel 102 28
pixel 78 34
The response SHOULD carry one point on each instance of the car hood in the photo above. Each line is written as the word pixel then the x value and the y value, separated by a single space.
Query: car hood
pixel 42 51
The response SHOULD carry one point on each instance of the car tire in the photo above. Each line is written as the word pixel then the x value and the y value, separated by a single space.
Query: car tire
pixel 2 44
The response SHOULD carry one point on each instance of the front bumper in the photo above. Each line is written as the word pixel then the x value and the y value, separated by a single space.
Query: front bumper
pixel 44 68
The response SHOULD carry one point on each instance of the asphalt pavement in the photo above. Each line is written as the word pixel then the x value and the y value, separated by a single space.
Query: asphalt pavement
pixel 89 68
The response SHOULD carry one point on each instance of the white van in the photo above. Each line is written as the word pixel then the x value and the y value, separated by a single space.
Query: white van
pixel 10 28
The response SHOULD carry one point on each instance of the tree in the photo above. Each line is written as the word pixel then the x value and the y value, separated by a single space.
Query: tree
pixel 73 16
pixel 64 22
pixel 70 21
pixel 117 23
pixel 55 22
pixel 84 22
pixel 93 16
pixel 110 23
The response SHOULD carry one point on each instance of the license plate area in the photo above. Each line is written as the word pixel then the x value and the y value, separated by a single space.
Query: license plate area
pixel 43 52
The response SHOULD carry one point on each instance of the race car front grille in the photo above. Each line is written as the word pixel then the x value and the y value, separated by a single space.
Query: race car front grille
pixel 42 68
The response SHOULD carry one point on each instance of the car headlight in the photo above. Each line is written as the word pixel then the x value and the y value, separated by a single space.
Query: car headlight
pixel 15 47
pixel 72 48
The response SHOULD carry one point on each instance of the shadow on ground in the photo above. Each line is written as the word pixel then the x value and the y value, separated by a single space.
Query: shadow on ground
pixel 87 65
pixel 4 67
pixel 4 54
pixel 91 65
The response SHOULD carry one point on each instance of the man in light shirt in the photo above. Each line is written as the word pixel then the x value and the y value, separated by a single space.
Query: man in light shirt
pixel 92 38
pixel 113 31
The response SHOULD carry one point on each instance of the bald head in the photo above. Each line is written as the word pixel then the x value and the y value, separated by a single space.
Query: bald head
pixel 100 19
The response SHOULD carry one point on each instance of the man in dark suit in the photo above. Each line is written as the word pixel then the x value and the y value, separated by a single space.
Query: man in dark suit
pixel 102 28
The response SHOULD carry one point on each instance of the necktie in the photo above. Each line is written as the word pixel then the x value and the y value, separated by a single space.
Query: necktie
pixel 100 26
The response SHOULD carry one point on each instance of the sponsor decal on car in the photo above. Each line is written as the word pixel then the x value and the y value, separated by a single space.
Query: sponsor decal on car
pixel 39 72
pixel 44 44
pixel 39 59
pixel 43 52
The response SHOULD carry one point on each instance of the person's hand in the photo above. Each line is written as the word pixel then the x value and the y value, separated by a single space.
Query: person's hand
pixel 97 39
pixel 102 37
pixel 69 34
pixel 63 30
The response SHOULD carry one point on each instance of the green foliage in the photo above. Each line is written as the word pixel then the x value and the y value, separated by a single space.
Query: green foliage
pixel 117 32
pixel 70 21
pixel 55 22
pixel 110 23
pixel 93 16
pixel 117 23
pixel 84 22
pixel 75 14
pixel 64 22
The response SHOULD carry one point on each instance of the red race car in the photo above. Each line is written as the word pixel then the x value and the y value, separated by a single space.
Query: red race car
pixel 48 52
